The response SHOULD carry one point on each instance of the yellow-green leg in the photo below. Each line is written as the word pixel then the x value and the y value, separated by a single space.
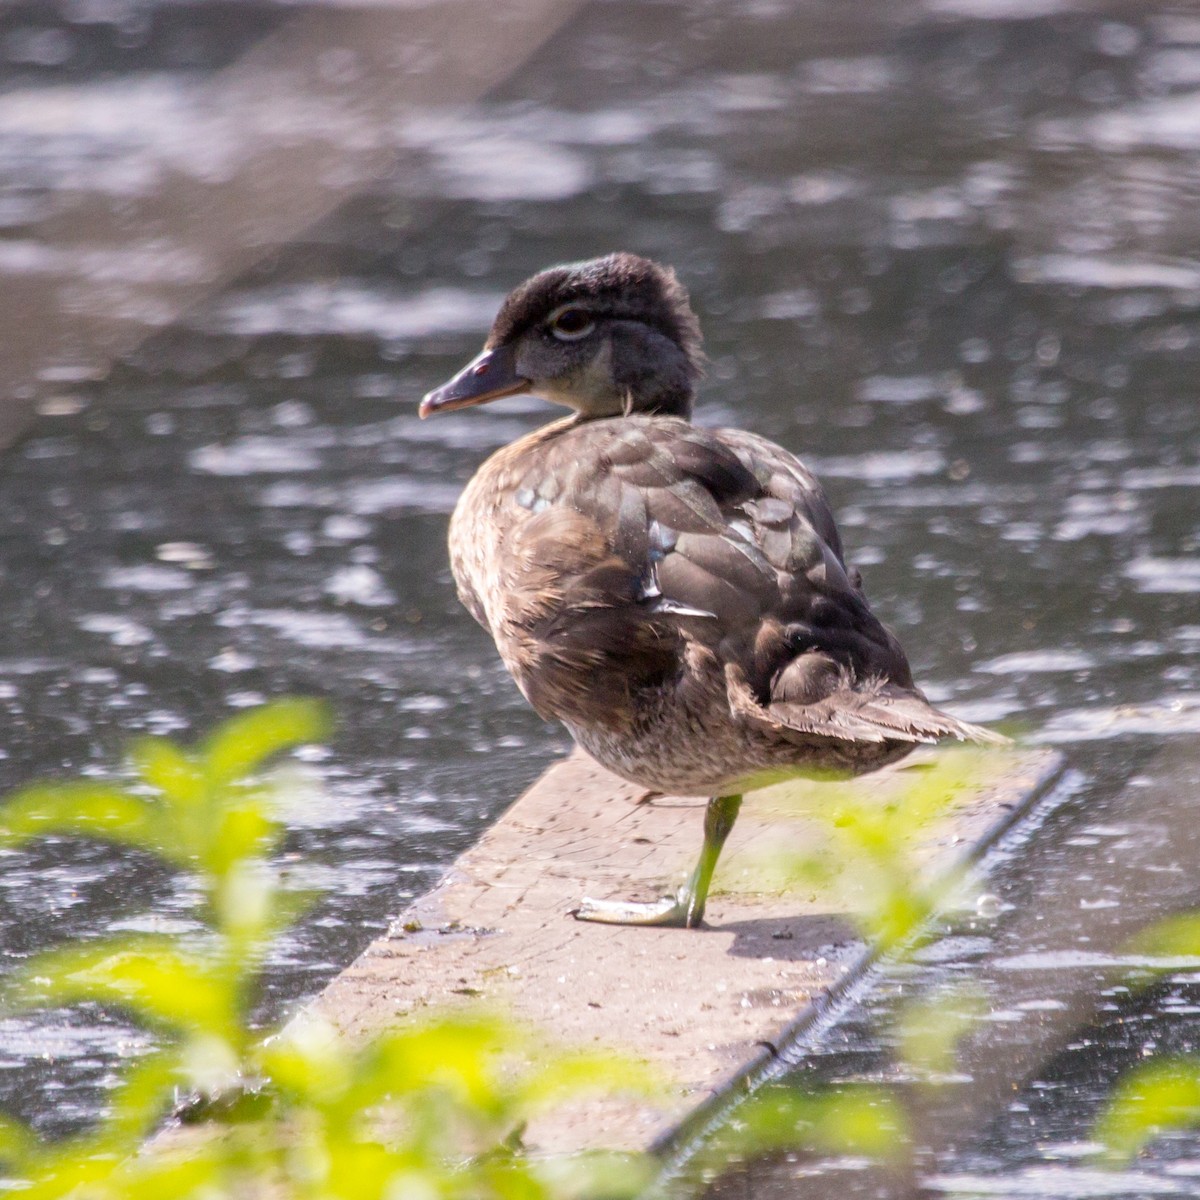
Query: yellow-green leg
pixel 686 907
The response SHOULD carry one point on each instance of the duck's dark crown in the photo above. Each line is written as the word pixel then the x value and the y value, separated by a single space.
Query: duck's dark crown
pixel 622 286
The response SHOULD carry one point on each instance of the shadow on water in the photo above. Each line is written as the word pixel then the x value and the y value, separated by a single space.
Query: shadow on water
pixel 943 250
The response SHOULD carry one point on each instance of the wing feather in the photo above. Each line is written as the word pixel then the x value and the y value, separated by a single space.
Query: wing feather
pixel 647 536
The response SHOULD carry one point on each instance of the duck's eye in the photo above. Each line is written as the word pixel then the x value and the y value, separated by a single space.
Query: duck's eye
pixel 571 324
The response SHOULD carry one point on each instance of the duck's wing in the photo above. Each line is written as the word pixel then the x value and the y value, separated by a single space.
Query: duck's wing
pixel 588 618
pixel 823 663
pixel 650 540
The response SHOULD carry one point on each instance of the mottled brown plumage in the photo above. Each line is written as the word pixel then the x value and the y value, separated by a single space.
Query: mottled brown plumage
pixel 676 596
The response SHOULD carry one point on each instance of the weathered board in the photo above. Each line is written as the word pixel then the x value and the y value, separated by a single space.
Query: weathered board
pixel 702 1006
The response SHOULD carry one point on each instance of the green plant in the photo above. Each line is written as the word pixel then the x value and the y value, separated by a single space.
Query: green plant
pixel 867 855
pixel 1162 1094
pixel 1152 1099
pixel 860 1120
pixel 431 1109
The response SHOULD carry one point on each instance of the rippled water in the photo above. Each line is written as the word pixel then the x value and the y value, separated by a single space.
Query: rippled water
pixel 946 251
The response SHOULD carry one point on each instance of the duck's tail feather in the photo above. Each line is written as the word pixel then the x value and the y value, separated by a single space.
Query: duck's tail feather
pixel 885 716
pixel 872 712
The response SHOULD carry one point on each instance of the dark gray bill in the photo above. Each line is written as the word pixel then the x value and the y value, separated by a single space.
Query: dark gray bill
pixel 487 377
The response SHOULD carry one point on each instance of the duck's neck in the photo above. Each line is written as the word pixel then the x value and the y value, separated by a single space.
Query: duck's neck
pixel 651 373
pixel 669 404
pixel 672 402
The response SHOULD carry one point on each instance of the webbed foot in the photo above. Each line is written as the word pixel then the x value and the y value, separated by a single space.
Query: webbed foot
pixel 685 909
pixel 679 911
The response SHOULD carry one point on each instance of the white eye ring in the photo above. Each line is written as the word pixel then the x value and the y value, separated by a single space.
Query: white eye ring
pixel 570 335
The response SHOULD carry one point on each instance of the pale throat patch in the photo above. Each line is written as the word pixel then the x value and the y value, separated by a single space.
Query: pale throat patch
pixel 589 389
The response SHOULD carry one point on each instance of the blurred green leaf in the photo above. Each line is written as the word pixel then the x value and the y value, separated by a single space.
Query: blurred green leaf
pixel 597 1175
pixel 16 1140
pixel 1151 1100
pixel 895 918
pixel 242 831
pixel 928 1032
pixel 243 744
pixel 141 1099
pixel 175 1175
pixel 72 1172
pixel 306 1059
pixel 458 1055
pixel 866 1121
pixel 869 862
pixel 1173 937
pixel 149 975
pixel 88 809
pixel 165 767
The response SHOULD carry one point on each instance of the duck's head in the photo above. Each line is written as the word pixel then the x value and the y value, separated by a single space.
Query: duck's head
pixel 608 337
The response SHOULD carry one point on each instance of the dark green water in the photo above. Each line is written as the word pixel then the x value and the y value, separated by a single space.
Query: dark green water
pixel 945 251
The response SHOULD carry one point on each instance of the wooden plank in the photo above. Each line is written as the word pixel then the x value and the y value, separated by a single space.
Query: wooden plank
pixel 702 1006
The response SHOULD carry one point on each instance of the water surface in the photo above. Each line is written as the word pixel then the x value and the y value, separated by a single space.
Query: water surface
pixel 945 251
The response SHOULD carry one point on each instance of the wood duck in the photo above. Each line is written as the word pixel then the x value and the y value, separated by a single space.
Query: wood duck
pixel 676 596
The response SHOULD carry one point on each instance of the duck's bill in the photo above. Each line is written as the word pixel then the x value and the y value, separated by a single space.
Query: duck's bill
pixel 485 378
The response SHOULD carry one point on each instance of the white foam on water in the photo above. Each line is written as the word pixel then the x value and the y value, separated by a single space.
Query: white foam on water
pixel 1173 715
pixel 1058 1182
pixel 255 455
pixel 1034 662
pixel 360 584
pixel 349 308
pixel 147 577
pixel 1116 273
pixel 883 467
pixel 1157 575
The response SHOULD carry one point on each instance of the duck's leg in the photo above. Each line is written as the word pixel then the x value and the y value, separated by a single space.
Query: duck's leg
pixel 686 907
